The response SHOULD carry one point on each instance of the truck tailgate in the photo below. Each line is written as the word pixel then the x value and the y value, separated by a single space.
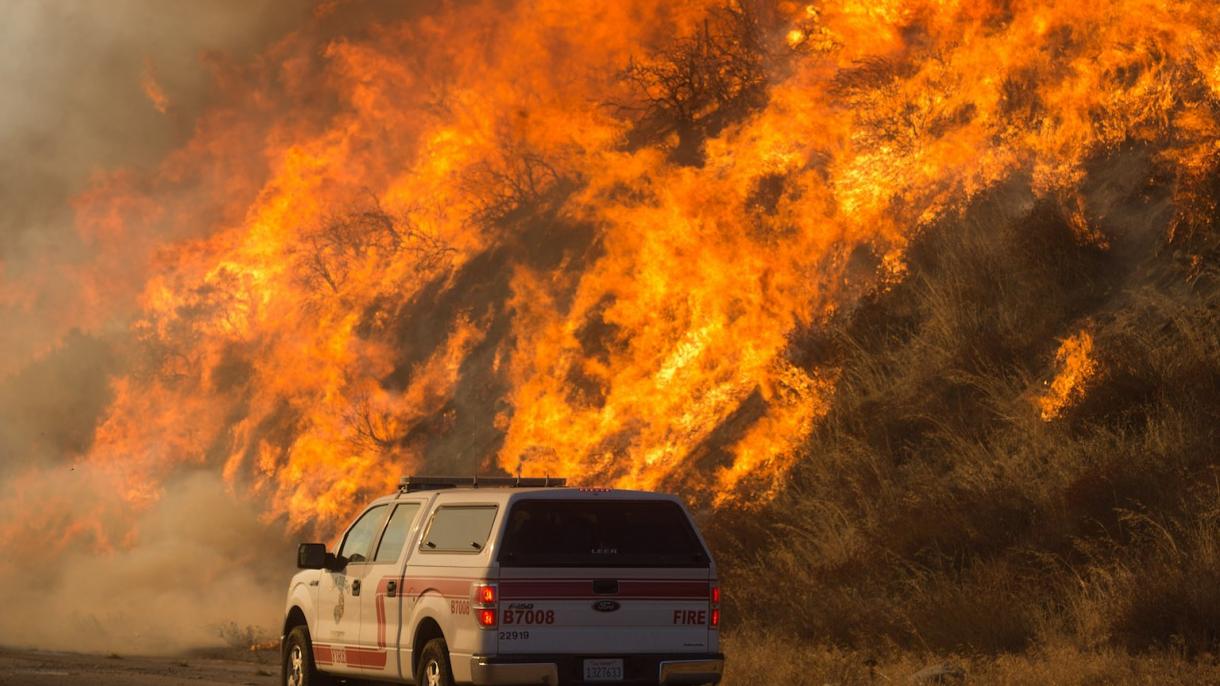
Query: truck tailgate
pixel 604 611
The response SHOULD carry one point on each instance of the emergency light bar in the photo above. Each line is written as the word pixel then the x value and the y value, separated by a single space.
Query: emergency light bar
pixel 410 484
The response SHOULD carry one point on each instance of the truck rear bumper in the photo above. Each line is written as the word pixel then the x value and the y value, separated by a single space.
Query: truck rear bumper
pixel 487 672
pixel 691 672
pixel 565 670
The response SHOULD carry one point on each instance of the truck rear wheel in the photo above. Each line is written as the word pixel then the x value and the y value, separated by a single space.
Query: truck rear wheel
pixel 434 664
pixel 299 668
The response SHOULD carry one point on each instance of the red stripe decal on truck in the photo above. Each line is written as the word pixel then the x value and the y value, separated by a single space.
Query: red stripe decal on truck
pixel 364 658
pixel 360 658
pixel 449 587
pixel 644 589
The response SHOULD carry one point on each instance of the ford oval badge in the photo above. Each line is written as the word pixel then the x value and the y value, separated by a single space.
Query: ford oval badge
pixel 606 605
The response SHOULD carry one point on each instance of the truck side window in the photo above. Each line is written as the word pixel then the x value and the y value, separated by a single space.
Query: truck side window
pixel 359 540
pixel 396 532
pixel 459 529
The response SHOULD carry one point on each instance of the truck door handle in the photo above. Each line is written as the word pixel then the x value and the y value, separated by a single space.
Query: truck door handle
pixel 391 589
pixel 356 587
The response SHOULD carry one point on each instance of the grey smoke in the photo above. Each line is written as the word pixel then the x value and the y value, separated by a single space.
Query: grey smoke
pixel 202 559
pixel 73 105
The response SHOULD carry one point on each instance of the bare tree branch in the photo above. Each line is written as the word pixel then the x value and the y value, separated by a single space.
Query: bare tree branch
pixel 367 232
pixel 703 81
pixel 370 428
pixel 520 177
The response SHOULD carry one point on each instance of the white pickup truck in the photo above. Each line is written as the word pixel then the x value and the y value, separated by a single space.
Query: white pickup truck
pixel 507 581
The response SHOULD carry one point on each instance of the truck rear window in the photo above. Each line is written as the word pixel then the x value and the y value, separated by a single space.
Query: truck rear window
pixel 600 533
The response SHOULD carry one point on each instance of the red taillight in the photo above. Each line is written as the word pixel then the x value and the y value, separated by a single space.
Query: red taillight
pixel 483 599
pixel 485 594
pixel 713 617
pixel 715 595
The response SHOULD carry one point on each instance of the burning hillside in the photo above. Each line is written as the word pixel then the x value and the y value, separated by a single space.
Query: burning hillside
pixel 603 240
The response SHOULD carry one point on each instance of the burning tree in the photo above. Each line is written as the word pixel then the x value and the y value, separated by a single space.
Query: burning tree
pixel 367 236
pixel 700 83
pixel 517 177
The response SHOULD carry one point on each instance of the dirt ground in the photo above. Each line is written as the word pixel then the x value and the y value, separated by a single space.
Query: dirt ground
pixel 46 668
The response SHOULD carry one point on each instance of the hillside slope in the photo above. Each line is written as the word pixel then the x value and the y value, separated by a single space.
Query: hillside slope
pixel 1021 452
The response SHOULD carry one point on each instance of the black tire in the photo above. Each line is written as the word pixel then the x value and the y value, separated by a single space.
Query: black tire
pixel 298 668
pixel 433 664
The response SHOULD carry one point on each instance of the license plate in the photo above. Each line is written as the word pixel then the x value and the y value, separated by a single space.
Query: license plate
pixel 604 669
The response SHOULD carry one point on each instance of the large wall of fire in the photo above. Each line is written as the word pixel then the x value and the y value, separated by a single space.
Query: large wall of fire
pixel 575 238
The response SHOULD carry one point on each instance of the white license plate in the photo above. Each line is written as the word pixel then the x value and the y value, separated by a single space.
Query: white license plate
pixel 604 669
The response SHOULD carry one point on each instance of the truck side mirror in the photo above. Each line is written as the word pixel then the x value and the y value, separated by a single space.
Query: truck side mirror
pixel 311 556
pixel 335 563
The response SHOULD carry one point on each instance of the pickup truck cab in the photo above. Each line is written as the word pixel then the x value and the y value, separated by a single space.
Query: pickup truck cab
pixel 507 581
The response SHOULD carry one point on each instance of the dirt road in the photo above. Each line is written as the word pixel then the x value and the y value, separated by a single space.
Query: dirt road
pixel 44 668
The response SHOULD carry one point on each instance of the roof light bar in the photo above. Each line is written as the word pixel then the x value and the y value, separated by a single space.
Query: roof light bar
pixel 410 484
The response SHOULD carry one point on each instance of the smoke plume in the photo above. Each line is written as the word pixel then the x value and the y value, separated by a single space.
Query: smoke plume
pixel 75 77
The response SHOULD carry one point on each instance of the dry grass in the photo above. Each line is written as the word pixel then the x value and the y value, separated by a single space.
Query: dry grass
pixel 935 512
pixel 755 659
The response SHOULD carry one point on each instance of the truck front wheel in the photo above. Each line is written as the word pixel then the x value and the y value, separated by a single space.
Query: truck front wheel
pixel 434 664
pixel 299 668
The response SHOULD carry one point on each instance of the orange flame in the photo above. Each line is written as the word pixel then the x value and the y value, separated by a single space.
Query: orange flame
pixel 1076 367
pixel 490 237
